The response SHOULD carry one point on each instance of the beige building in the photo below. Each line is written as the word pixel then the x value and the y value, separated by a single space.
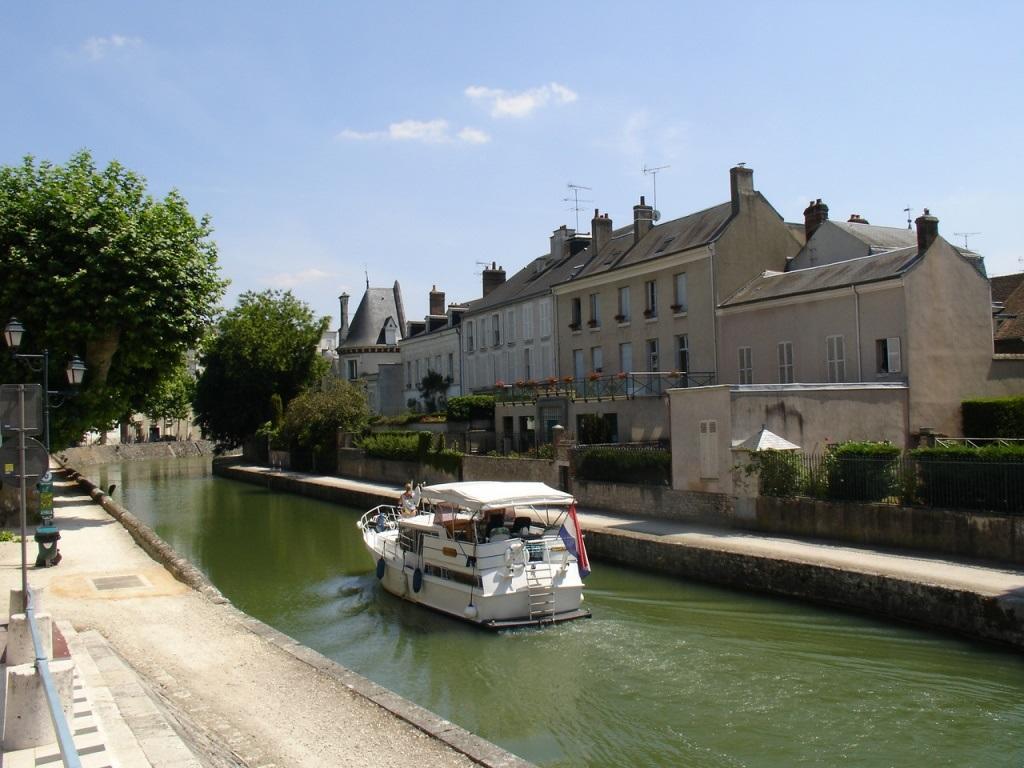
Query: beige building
pixel 367 351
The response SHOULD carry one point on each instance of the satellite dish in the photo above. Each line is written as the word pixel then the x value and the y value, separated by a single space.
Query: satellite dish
pixel 656 215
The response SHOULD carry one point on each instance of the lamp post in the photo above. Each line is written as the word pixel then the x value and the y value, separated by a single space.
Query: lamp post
pixel 13 333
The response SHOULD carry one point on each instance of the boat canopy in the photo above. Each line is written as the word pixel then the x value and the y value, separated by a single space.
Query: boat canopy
pixel 484 495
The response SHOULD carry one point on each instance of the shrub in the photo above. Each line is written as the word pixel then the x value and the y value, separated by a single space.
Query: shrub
pixel 615 465
pixel 962 477
pixel 468 407
pixel 863 471
pixel 993 417
pixel 780 473
pixel 312 420
pixel 397 446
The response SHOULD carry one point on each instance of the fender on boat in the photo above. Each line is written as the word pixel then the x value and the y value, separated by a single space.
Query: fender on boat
pixel 417 580
pixel 381 566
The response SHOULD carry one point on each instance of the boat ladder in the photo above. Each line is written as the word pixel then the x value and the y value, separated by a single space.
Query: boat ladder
pixel 541 592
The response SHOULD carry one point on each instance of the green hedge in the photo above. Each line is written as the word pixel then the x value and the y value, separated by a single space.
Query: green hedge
pixel 961 477
pixel 415 447
pixel 468 407
pixel 862 471
pixel 994 417
pixel 614 465
pixel 779 473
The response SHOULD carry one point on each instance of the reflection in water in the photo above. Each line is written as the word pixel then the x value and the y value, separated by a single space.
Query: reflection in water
pixel 667 673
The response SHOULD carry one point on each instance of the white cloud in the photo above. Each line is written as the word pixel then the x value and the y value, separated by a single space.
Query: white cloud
pixel 291 280
pixel 503 103
pixel 425 131
pixel 97 48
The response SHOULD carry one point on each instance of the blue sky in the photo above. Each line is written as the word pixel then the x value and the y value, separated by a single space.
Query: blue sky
pixel 417 140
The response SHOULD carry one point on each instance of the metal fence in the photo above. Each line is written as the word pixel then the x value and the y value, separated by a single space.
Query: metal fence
pixel 620 386
pixel 641 463
pixel 961 483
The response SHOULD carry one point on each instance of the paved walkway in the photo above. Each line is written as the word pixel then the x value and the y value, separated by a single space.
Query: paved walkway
pixel 173 680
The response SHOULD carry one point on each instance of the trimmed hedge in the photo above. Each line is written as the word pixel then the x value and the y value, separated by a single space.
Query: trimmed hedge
pixel 993 417
pixel 468 407
pixel 962 477
pixel 614 465
pixel 863 471
pixel 414 447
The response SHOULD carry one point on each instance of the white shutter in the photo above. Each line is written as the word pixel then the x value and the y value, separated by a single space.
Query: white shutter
pixel 892 348
pixel 709 448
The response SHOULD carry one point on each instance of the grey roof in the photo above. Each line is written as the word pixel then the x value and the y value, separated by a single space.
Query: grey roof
pixel 766 440
pixel 367 327
pixel 670 237
pixel 1004 285
pixel 867 269
pixel 879 238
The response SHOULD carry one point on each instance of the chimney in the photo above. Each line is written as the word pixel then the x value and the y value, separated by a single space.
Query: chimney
pixel 436 301
pixel 856 218
pixel 343 327
pixel 493 277
pixel 561 239
pixel 643 219
pixel 741 182
pixel 600 231
pixel 815 214
pixel 927 230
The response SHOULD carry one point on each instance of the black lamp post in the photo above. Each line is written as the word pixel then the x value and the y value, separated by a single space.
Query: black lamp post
pixel 13 333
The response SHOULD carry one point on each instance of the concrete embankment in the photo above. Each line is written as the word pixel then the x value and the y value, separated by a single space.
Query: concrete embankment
pixel 974 599
pixel 235 677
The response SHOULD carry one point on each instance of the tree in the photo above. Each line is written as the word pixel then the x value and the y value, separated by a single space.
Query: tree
pixel 172 397
pixel 266 345
pixel 93 265
pixel 433 386
pixel 312 420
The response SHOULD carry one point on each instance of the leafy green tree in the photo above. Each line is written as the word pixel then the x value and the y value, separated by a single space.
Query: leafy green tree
pixel 94 266
pixel 431 389
pixel 312 420
pixel 266 345
pixel 172 397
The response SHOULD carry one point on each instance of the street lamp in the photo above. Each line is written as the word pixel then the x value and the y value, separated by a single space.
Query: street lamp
pixel 13 333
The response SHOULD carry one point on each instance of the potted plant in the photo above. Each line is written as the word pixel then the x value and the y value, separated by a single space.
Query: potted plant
pixel 620 318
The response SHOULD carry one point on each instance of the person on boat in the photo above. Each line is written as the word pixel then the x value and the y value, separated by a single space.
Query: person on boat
pixel 408 501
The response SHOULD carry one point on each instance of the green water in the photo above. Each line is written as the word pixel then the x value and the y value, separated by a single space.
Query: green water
pixel 667 673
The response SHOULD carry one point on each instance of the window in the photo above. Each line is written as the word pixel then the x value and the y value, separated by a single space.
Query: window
pixel 746 366
pixel 887 353
pixel 680 304
pixel 408 374
pixel 469 336
pixel 683 352
pixel 528 363
pixel 836 358
pixel 595 311
pixel 528 322
pixel 437 364
pixel 510 325
pixel 625 357
pixel 496 327
pixel 651 298
pixel 709 448
pixel 652 355
pixel 352 369
pixel 576 318
pixel 577 364
pixel 451 366
pixel 623 316
pixel 419 372
pixel 546 362
pixel 545 318
pixel 596 359
pixel 785 350
pixel 483 333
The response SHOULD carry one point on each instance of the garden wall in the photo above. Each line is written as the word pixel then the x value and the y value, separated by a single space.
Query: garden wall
pixel 352 462
pixel 498 468
pixel 655 501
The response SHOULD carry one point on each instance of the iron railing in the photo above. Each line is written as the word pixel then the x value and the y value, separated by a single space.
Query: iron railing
pixel 624 386
pixel 951 483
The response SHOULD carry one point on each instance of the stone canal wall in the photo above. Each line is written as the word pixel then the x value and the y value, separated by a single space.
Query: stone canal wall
pixel 87 456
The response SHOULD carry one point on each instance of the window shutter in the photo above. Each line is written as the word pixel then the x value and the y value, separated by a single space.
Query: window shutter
pixel 892 348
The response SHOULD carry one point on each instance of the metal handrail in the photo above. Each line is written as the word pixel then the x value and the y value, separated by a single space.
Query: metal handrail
pixel 626 386
pixel 65 740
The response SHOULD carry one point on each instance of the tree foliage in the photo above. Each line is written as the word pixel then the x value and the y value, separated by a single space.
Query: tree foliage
pixel 432 389
pixel 94 266
pixel 172 397
pixel 266 345
pixel 314 417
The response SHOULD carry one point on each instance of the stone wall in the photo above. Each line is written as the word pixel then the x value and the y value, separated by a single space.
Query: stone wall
pixel 655 501
pixel 104 454
pixel 352 462
pixel 498 468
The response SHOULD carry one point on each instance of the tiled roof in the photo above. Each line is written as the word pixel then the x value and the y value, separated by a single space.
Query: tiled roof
pixel 879 238
pixel 1004 285
pixel 1012 328
pixel 367 327
pixel 867 269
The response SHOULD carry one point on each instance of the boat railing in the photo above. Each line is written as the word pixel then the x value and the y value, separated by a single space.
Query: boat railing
pixel 381 518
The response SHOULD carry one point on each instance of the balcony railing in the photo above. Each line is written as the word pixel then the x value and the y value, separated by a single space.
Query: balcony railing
pixel 620 386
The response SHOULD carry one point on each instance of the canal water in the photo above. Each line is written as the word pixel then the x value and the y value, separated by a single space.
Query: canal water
pixel 667 673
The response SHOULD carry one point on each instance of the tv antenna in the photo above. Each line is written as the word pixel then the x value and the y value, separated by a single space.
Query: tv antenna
pixel 575 200
pixel 965 235
pixel 653 173
pixel 907 211
pixel 367 273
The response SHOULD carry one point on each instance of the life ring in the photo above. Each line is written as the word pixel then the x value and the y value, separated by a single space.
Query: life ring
pixel 381 567
pixel 417 580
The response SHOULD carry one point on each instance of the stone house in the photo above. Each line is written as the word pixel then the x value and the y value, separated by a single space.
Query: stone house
pixel 367 348
pixel 432 345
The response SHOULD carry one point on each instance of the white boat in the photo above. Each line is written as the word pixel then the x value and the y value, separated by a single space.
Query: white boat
pixel 498 554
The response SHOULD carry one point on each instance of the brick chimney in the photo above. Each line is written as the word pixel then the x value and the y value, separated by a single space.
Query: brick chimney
pixel 436 301
pixel 560 240
pixel 927 230
pixel 343 326
pixel 493 277
pixel 741 183
pixel 815 214
pixel 643 219
pixel 856 218
pixel 600 231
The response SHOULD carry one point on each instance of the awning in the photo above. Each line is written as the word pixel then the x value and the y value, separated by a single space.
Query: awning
pixel 485 495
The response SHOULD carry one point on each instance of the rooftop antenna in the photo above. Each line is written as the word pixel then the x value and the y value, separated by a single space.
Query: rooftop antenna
pixel 575 200
pixel 965 235
pixel 907 211
pixel 653 173
pixel 367 273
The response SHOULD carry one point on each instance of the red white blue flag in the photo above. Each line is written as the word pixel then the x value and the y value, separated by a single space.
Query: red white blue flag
pixel 572 535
